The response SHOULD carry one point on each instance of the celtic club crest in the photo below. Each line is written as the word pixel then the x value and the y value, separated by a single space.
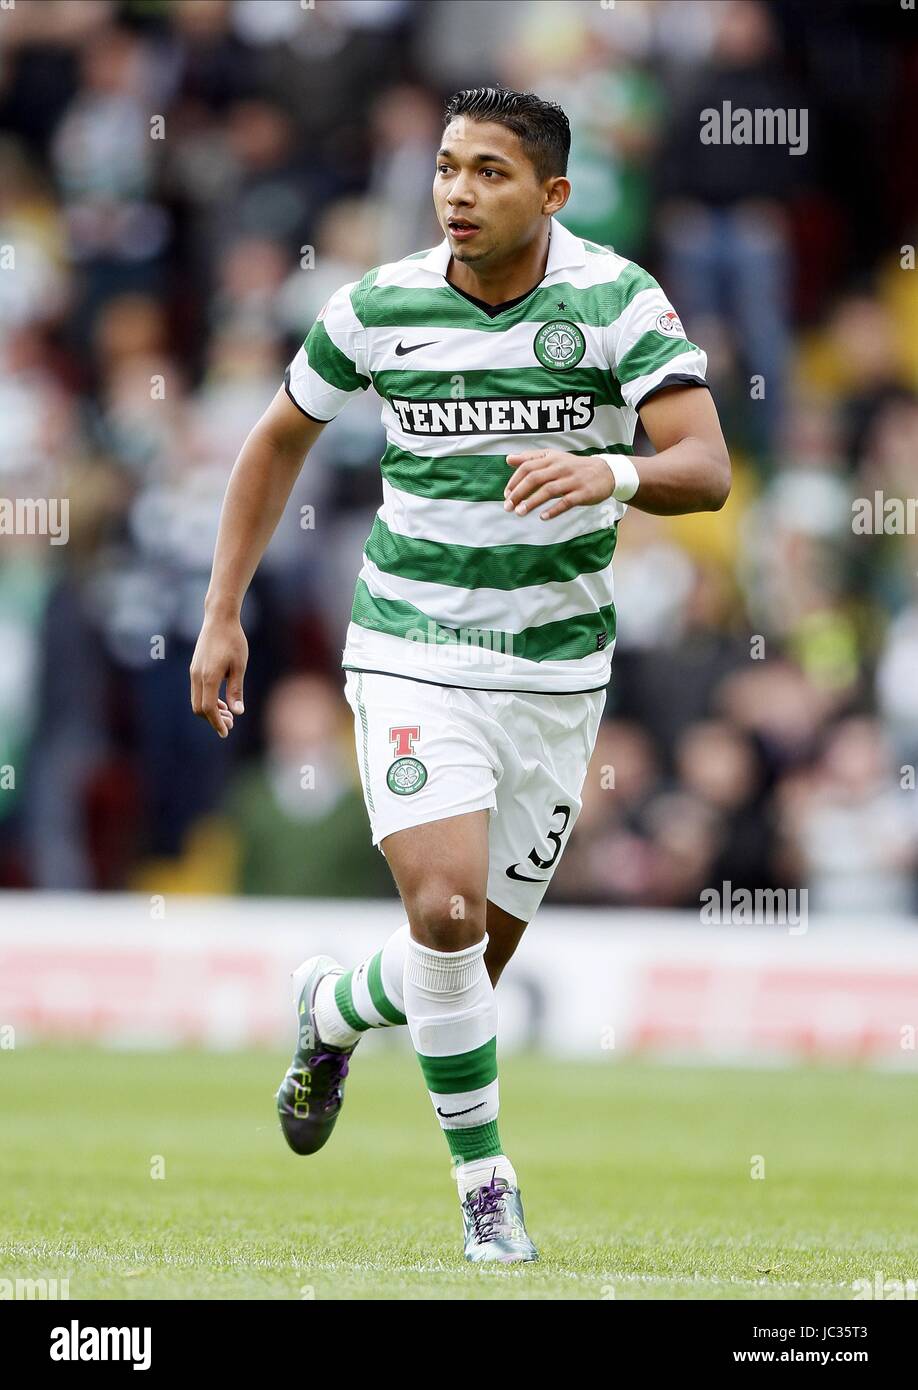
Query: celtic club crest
pixel 406 775
pixel 559 344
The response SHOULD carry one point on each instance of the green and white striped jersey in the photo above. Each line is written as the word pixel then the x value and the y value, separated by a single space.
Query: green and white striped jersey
pixel 453 588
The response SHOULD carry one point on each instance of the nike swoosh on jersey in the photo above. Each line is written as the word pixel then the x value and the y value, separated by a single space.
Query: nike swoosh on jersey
pixel 401 350
pixel 522 878
pixel 451 1114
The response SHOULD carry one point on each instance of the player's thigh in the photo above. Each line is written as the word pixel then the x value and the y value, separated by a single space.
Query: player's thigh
pixel 441 868
pixel 441 917
pixel 545 756
pixel 429 780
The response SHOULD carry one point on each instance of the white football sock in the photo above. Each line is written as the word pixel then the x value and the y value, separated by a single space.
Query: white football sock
pixel 452 1018
pixel 348 1002
pixel 479 1172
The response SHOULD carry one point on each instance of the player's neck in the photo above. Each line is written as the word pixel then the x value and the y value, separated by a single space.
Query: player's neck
pixel 506 281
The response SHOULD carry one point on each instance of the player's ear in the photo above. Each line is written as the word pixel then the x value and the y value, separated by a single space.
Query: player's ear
pixel 557 192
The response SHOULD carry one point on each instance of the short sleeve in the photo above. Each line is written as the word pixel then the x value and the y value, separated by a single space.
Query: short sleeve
pixel 648 348
pixel 330 366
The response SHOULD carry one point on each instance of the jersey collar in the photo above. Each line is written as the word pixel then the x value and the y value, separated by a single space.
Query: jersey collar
pixel 564 251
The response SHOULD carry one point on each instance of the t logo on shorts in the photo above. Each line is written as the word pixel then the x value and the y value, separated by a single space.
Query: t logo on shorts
pixel 403 739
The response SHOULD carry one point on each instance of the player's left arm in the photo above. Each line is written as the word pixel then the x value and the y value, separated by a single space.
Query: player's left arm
pixel 690 471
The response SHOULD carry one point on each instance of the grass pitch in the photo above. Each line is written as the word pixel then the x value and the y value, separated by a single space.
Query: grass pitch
pixel 636 1180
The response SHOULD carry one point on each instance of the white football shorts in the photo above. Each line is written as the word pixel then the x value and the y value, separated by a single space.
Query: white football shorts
pixel 427 751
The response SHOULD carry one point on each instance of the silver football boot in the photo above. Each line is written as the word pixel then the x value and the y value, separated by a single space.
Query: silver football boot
pixel 494 1227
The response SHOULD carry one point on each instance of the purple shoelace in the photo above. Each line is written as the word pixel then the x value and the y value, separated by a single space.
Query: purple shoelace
pixel 338 1064
pixel 487 1207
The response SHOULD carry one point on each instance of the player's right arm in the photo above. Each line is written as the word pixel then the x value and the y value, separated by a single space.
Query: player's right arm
pixel 327 371
pixel 260 484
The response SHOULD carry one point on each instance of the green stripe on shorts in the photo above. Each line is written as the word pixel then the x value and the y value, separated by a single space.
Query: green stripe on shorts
pixel 366 757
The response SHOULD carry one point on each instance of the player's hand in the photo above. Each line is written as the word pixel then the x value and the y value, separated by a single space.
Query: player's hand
pixel 550 475
pixel 221 654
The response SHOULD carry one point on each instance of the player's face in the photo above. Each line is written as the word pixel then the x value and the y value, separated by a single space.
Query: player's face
pixel 488 198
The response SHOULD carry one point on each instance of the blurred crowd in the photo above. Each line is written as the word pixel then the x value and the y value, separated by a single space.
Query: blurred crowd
pixel 182 186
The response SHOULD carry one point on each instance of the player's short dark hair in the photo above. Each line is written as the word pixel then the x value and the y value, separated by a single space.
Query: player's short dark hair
pixel 543 129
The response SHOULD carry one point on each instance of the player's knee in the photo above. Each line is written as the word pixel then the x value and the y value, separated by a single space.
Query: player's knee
pixel 447 918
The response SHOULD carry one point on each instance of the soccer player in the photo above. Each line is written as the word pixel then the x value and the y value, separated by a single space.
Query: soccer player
pixel 512 360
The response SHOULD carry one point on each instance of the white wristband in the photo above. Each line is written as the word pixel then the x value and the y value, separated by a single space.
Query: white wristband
pixel 627 480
